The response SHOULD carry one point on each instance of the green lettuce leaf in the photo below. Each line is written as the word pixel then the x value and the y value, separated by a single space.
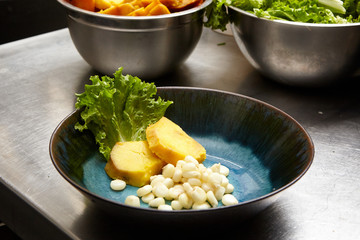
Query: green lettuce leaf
pixel 216 15
pixel 308 11
pixel 118 109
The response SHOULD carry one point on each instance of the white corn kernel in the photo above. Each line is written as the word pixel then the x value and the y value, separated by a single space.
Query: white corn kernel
pixel 224 181
pixel 207 187
pixel 156 202
pixel 224 170
pixel 144 190
pixel 205 177
pixel 148 197
pixel 168 171
pixel 229 199
pixel 215 168
pixel 180 163
pixel 168 182
pixel 188 188
pixel 175 192
pixel 191 159
pixel 203 205
pixel 117 185
pixel 168 197
pixel 211 198
pixel 198 195
pixel 185 201
pixel 229 188
pixel 201 167
pixel 219 193
pixel 189 167
pixel 191 174
pixel 194 182
pixel 157 179
pixel 177 175
pixel 160 190
pixel 178 185
pixel 183 180
pixel 165 207
pixel 215 178
pixel 132 200
pixel 176 205
pixel 154 176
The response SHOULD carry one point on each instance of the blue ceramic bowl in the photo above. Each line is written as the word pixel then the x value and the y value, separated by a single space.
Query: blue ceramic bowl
pixel 265 149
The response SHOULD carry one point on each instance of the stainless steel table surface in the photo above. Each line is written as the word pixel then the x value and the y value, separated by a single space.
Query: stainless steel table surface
pixel 38 79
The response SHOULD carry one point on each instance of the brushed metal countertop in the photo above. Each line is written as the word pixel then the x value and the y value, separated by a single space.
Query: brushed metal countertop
pixel 38 79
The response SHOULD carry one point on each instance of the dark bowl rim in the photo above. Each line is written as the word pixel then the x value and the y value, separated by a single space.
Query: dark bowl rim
pixel 69 6
pixel 300 24
pixel 192 211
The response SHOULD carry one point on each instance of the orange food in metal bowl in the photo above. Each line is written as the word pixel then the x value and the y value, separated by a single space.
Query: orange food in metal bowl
pixel 135 7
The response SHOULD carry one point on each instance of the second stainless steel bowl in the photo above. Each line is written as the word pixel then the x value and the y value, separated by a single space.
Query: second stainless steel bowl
pixel 299 54
pixel 145 46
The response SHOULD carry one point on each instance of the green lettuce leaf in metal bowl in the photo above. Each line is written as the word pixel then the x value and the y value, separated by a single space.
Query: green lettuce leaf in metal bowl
pixel 307 11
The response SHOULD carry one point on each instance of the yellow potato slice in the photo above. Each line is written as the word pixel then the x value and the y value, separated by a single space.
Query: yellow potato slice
pixel 133 162
pixel 170 143
pixel 102 4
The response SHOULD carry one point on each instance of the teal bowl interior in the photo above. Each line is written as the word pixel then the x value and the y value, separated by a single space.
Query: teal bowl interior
pixel 265 149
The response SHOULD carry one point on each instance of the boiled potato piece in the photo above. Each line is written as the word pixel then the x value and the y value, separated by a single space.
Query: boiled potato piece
pixel 113 10
pixel 102 4
pixel 170 143
pixel 159 9
pixel 133 162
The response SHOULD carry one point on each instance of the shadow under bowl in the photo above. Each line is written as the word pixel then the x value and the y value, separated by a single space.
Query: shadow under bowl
pixel 265 149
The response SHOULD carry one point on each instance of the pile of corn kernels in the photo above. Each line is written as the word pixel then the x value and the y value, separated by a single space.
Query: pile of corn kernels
pixel 188 185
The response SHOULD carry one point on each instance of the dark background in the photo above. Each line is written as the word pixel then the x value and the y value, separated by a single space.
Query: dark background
pixel 25 18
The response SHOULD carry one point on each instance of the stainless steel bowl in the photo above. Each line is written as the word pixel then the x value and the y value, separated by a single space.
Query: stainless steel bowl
pixel 145 46
pixel 299 54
